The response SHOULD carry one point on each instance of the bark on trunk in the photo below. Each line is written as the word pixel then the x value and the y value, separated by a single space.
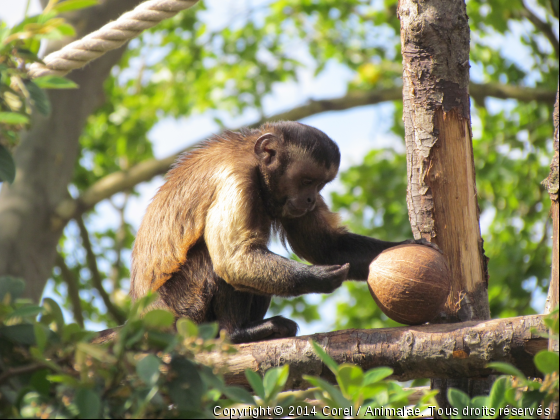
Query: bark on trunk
pixel 551 183
pixel 45 160
pixel 442 197
pixel 438 350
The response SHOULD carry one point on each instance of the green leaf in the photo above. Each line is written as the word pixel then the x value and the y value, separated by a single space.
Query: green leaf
pixel 158 319
pixel 208 331
pixel 256 383
pixel 350 379
pixel 54 310
pixel 55 82
pixel 334 393
pixel 64 30
pixel 97 352
pixel 26 312
pixel 38 97
pixel 546 361
pixel 507 369
pixel 69 5
pixel 20 334
pixel 187 328
pixel 274 380
pixel 27 55
pixel 63 379
pixel 239 395
pixel 7 165
pixel 377 374
pixel 13 118
pixel 162 340
pixel 187 389
pixel 88 403
pixel 11 285
pixel 41 335
pixel 40 382
pixel 497 396
pixel 458 399
pixel 327 360
pixel 148 369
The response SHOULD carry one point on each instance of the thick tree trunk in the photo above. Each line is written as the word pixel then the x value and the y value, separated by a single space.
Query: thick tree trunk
pixel 438 350
pixel 45 161
pixel 442 196
pixel 551 183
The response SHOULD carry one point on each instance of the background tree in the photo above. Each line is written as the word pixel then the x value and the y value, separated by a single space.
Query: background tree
pixel 97 145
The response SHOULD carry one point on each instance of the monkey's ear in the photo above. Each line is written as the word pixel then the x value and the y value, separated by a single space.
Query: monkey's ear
pixel 266 147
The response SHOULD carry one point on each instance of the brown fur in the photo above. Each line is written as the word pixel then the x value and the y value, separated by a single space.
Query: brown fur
pixel 203 241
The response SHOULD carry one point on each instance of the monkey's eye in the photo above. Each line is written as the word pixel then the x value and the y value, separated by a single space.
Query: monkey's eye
pixel 306 181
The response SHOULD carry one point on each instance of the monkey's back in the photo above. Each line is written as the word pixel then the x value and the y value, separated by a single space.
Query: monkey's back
pixel 175 219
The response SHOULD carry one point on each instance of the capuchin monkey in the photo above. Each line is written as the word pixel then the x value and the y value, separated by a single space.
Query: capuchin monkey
pixel 202 244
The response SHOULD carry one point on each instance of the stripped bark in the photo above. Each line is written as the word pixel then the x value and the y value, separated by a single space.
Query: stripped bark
pixel 441 194
pixel 551 184
pixel 438 350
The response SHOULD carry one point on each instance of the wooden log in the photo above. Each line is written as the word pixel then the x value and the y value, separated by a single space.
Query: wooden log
pixel 426 351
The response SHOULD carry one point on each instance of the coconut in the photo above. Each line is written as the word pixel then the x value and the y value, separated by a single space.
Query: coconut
pixel 410 283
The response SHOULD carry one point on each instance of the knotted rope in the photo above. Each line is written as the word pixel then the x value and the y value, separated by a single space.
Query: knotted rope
pixel 111 36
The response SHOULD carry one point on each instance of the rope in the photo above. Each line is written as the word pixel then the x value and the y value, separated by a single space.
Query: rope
pixel 111 36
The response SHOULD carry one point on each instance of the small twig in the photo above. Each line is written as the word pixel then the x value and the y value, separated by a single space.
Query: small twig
pixel 120 236
pixel 21 371
pixel 542 26
pixel 73 289
pixel 95 275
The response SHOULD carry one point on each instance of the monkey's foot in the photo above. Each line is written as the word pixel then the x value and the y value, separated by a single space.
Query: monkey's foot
pixel 268 329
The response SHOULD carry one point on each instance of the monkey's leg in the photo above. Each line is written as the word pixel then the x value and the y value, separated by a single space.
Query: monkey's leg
pixel 189 291
pixel 241 315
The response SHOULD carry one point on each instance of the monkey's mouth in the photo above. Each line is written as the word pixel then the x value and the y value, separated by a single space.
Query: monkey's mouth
pixel 292 211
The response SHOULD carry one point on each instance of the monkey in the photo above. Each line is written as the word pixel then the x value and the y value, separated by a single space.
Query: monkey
pixel 203 241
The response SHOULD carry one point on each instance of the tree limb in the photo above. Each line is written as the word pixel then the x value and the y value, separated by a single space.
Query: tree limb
pixel 144 171
pixel 96 276
pixel 438 350
pixel 542 26
pixel 73 289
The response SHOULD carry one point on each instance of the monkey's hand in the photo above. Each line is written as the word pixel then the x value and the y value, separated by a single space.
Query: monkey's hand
pixel 328 277
pixel 423 241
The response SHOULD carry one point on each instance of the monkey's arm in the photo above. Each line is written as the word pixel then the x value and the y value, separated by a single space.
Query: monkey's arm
pixel 318 238
pixel 237 247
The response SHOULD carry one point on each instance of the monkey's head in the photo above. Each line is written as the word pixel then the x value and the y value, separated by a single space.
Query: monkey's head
pixel 295 163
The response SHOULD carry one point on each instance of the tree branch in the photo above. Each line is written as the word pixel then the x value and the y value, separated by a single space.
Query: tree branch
pixel 438 350
pixel 144 171
pixel 542 26
pixel 96 276
pixel 22 370
pixel 73 289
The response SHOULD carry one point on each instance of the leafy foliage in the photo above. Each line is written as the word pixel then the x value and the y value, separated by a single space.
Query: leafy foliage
pixel 19 95
pixel 50 368
pixel 514 396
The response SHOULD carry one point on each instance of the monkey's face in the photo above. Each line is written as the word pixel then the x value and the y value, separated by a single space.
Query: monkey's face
pixel 292 177
pixel 300 184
